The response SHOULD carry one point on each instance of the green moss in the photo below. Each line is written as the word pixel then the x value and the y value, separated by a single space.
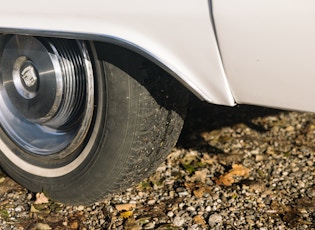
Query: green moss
pixel 189 168
pixel 4 214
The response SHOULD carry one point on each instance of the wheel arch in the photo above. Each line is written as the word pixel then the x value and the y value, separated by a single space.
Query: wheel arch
pixel 179 35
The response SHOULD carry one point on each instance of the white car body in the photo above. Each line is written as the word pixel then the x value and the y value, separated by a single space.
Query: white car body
pixel 268 51
pixel 267 47
pixel 166 31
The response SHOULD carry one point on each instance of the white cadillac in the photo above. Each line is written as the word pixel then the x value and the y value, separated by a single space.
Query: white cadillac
pixel 93 93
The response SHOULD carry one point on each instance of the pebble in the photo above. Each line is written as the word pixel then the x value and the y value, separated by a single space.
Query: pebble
pixel 149 226
pixel 178 221
pixel 19 208
pixel 215 219
pixel 80 208
pixel 151 202
pixel 170 214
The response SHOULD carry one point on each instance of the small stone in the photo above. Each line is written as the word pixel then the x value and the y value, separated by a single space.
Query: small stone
pixel 170 214
pixel 178 221
pixel 181 205
pixel 183 194
pixel 295 169
pixel 41 226
pixel 19 209
pixel 311 192
pixel 80 208
pixel 190 209
pixel 215 219
pixel 215 196
pixel 102 221
pixel 151 202
pixel 260 157
pixel 150 225
pixel 29 196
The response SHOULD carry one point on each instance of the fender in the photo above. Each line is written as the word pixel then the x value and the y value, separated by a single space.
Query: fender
pixel 178 35
pixel 268 51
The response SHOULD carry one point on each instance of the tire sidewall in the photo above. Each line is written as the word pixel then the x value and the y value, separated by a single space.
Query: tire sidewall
pixel 105 149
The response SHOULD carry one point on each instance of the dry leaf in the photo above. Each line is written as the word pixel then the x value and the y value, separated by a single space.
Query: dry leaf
pixel 190 186
pixel 207 159
pixel 239 170
pixel 74 225
pixel 125 207
pixel 33 209
pixel 270 150
pixel 200 176
pixel 199 220
pixel 41 199
pixel 126 214
pixel 132 224
pixel 199 192
pixel 228 178
pixel 198 189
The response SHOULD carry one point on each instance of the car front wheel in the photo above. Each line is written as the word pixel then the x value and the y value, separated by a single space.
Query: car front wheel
pixel 80 120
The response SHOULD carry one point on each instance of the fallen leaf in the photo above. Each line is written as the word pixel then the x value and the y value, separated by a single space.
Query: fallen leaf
pixel 132 224
pixel 207 159
pixel 199 192
pixel 41 199
pixel 228 178
pixel 126 214
pixel 200 176
pixel 270 150
pixel 198 189
pixel 33 209
pixel 190 186
pixel 199 220
pixel 239 170
pixel 125 207
pixel 8 185
pixel 74 225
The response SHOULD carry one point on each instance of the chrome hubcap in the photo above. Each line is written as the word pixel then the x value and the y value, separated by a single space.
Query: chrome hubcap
pixel 47 93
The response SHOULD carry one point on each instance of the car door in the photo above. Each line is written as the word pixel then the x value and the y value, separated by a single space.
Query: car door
pixel 268 50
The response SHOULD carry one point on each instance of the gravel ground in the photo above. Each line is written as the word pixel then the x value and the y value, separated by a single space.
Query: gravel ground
pixel 233 168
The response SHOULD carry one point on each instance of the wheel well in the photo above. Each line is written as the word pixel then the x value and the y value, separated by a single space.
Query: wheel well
pixel 119 51
pixel 124 58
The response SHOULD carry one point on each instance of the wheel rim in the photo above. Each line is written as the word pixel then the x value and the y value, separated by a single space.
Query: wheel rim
pixel 47 93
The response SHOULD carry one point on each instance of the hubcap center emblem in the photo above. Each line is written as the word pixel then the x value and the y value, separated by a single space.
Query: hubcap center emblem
pixel 25 77
pixel 28 74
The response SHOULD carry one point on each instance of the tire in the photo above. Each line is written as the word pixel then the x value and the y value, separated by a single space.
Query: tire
pixel 128 120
